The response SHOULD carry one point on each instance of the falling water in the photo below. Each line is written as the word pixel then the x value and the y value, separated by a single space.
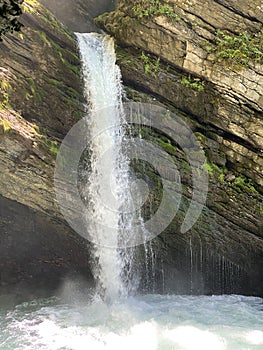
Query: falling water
pixel 108 181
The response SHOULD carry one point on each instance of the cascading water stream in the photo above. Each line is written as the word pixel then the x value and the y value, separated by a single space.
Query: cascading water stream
pixel 108 182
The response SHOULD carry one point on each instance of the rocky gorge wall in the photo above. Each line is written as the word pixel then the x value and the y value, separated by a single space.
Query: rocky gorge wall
pixel 188 56
pixel 40 100
pixel 163 62
pixel 229 101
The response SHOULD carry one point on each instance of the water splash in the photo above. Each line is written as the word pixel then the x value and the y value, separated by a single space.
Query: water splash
pixel 106 188
pixel 146 322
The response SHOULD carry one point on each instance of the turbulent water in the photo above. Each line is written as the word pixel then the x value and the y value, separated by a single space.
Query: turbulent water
pixel 148 322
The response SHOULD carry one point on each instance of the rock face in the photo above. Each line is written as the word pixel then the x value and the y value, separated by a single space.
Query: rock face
pixel 185 58
pixel 40 66
pixel 78 15
pixel 232 97
pixel 41 98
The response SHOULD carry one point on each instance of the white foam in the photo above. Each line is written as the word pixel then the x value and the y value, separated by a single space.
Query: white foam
pixel 148 322
pixel 192 338
pixel 255 337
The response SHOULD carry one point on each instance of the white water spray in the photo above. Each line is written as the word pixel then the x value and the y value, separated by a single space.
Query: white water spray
pixel 108 182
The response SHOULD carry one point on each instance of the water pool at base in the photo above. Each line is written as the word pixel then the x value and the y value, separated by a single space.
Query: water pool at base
pixel 143 322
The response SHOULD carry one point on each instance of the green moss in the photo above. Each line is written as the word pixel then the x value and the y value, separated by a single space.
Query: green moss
pixel 5 89
pixel 167 146
pixel 54 147
pixel 221 177
pixel 34 90
pixel 215 171
pixel 243 184
pixel 127 59
pixel 31 6
pixel 56 82
pixel 43 37
pixel 36 129
pixel 34 7
pixel 237 50
pixel 193 83
pixel 153 8
pixel 31 84
pixel 51 145
pixel 66 57
pixel 160 140
pixel 151 64
pixel 43 140
pixel 209 169
pixel 5 125
pixel 201 138
pixel 239 183
pixel 260 209
pixel 5 86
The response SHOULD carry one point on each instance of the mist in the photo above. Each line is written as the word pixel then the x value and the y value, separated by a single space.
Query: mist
pixel 78 15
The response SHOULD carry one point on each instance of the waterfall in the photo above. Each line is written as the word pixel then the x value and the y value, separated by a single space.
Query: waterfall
pixel 107 185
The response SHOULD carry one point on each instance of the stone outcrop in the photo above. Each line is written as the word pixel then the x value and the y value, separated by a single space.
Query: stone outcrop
pixel 177 63
pixel 41 98
pixel 231 102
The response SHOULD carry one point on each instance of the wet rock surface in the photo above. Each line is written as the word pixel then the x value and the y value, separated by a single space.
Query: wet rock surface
pixel 40 100
pixel 169 62
pixel 230 101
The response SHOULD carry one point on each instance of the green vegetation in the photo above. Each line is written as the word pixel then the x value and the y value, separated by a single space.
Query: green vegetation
pixel 152 8
pixel 213 169
pixel 35 7
pixel 161 140
pixel 43 37
pixel 54 147
pixel 5 88
pixel 34 90
pixel 66 57
pixel 167 146
pixel 193 83
pixel 51 145
pixel 242 184
pixel 30 6
pixel 238 50
pixel 31 84
pixel 239 183
pixel 10 10
pixel 5 125
pixel 44 140
pixel 151 65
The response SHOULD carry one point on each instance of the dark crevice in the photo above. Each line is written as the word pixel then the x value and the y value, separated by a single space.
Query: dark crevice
pixel 234 138
pixel 201 18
